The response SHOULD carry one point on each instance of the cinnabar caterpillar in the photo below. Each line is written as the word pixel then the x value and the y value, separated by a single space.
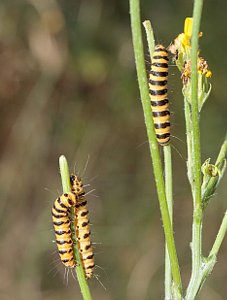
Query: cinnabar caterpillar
pixel 158 94
pixel 61 222
pixel 82 227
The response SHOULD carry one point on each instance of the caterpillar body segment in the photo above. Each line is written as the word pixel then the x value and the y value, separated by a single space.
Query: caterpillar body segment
pixel 82 226
pixel 84 241
pixel 61 222
pixel 158 78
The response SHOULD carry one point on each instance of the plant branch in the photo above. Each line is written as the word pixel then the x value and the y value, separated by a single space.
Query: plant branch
pixel 207 264
pixel 187 113
pixel 196 156
pixel 195 159
pixel 150 36
pixel 169 198
pixel 220 236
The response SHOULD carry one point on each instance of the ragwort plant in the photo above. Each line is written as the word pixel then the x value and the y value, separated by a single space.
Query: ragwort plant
pixel 203 178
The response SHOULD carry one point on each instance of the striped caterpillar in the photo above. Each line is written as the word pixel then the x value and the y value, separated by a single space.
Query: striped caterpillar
pixel 158 94
pixel 61 222
pixel 82 227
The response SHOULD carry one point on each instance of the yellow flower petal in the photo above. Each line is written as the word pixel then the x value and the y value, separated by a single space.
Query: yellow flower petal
pixel 188 27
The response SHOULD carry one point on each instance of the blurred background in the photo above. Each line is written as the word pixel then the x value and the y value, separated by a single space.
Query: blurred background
pixel 68 86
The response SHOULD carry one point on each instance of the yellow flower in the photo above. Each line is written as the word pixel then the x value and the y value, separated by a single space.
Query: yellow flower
pixel 181 49
pixel 182 44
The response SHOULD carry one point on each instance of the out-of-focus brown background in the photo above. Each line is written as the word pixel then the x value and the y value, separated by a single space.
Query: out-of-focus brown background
pixel 68 86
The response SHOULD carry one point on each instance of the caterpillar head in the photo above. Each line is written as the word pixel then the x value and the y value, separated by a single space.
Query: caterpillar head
pixel 77 185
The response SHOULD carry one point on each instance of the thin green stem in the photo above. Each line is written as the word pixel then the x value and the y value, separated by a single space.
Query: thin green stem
pixel 206 268
pixel 64 171
pixel 223 152
pixel 207 264
pixel 154 150
pixel 194 105
pixel 150 36
pixel 220 236
pixel 168 174
pixel 196 155
pixel 169 198
pixel 189 138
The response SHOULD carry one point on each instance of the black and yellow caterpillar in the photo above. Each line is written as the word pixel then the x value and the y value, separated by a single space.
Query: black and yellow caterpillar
pixel 82 227
pixel 158 78
pixel 61 222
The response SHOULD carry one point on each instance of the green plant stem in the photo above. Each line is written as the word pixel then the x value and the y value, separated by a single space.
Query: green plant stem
pixel 201 267
pixel 223 152
pixel 206 268
pixel 189 138
pixel 157 168
pixel 169 198
pixel 194 106
pixel 207 264
pixel 64 171
pixel 196 156
pixel 168 175
pixel 150 36
pixel 220 236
